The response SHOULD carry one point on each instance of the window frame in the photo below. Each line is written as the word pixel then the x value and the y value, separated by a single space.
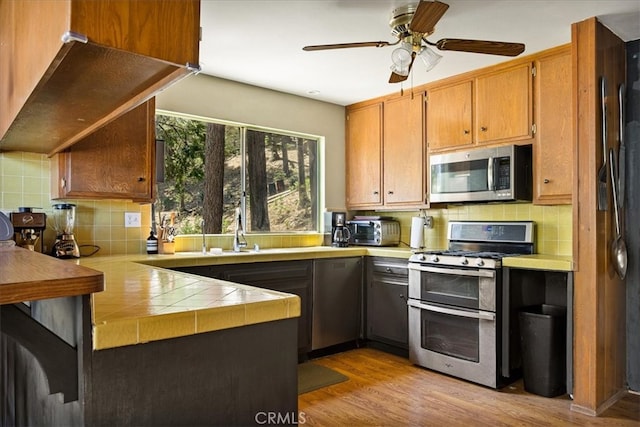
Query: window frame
pixel 244 127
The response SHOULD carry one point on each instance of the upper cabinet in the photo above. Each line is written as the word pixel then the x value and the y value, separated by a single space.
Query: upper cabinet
pixel 72 66
pixel 504 105
pixel 492 107
pixel 553 149
pixel 403 152
pixel 115 162
pixel 449 118
pixel 364 156
pixel 385 154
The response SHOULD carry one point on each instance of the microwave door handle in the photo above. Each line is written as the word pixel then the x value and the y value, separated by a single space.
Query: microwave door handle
pixel 482 315
pixel 490 176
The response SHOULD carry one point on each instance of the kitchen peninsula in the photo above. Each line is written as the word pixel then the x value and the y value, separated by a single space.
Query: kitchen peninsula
pixel 156 347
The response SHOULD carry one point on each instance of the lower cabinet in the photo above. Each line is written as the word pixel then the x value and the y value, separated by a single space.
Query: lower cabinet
pixel 293 277
pixel 337 296
pixel 334 304
pixel 387 292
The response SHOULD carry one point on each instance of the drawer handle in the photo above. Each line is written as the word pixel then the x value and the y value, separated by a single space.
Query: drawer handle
pixel 483 128
pixel 140 179
pixel 466 132
pixel 546 181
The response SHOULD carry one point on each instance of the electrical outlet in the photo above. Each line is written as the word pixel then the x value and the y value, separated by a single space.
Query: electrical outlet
pixel 132 219
pixel 428 222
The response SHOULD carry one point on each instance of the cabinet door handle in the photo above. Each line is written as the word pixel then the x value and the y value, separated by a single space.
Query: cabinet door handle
pixel 63 183
pixel 483 128
pixel 375 193
pixel 390 192
pixel 466 131
pixel 141 179
pixel 546 181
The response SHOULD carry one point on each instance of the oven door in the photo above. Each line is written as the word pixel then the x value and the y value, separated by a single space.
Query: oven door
pixel 472 288
pixel 458 342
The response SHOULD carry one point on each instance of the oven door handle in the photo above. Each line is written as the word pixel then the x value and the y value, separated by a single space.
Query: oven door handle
pixel 482 315
pixel 459 272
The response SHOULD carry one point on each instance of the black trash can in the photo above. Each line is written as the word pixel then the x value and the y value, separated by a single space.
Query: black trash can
pixel 543 343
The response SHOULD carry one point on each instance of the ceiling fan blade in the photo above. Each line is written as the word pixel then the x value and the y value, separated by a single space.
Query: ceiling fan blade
pixel 397 78
pixel 347 45
pixel 427 15
pixel 481 46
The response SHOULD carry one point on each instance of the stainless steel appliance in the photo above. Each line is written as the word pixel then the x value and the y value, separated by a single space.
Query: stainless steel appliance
pixel 63 219
pixel 29 226
pixel 455 300
pixel 340 233
pixel 482 175
pixel 374 231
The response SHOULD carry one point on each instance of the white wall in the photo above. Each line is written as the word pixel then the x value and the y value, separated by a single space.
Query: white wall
pixel 215 98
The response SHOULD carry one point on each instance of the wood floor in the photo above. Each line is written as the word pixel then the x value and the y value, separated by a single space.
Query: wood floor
pixel 386 390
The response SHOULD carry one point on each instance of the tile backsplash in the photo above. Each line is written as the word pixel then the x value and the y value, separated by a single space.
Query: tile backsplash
pixel 554 224
pixel 25 181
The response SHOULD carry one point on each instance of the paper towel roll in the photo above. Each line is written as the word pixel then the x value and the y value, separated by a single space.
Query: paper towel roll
pixel 417 232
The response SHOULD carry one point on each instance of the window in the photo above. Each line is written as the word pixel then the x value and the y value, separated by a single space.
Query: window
pixel 212 168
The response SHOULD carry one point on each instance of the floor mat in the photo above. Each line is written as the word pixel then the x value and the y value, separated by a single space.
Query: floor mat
pixel 312 377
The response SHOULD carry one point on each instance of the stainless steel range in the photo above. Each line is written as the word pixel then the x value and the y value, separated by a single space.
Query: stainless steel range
pixel 455 300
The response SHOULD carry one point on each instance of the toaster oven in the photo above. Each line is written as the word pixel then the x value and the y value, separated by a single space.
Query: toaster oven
pixel 374 232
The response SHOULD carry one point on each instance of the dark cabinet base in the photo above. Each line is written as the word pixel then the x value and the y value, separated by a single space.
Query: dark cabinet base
pixel 227 377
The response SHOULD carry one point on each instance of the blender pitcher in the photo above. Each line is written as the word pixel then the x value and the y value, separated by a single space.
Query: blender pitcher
pixel 63 219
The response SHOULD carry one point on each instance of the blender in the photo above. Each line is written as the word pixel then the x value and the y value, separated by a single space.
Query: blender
pixel 63 219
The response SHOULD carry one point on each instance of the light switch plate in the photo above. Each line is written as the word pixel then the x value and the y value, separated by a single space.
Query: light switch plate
pixel 132 219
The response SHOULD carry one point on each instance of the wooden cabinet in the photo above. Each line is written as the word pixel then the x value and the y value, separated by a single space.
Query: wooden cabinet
pixel 70 67
pixel 449 116
pixel 385 154
pixel 404 153
pixel 553 148
pixel 387 293
pixel 364 156
pixel 504 105
pixel 115 162
pixel 492 107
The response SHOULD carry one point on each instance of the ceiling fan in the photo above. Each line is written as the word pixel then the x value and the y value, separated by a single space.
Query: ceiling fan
pixel 412 24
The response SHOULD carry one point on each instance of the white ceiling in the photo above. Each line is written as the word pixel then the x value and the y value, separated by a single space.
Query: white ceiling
pixel 259 42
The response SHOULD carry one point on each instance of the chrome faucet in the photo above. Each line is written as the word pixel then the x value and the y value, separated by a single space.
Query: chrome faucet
pixel 239 241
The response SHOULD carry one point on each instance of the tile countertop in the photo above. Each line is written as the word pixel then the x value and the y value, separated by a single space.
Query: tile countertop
pixel 539 262
pixel 144 301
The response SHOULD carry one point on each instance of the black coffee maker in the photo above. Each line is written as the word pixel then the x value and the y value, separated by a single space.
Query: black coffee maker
pixel 340 233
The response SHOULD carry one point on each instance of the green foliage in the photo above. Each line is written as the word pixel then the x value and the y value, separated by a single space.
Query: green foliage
pixel 183 189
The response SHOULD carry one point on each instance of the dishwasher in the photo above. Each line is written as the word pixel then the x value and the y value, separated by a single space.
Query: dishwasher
pixel 337 290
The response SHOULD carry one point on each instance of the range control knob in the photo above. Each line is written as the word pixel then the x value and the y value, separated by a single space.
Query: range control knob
pixel 422 257
pixel 479 262
pixel 464 260
pixel 434 258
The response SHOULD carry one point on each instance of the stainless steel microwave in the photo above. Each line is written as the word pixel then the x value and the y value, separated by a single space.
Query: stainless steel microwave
pixel 482 175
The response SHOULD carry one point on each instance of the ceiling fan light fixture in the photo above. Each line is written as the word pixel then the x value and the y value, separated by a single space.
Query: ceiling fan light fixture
pixel 401 57
pixel 430 58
